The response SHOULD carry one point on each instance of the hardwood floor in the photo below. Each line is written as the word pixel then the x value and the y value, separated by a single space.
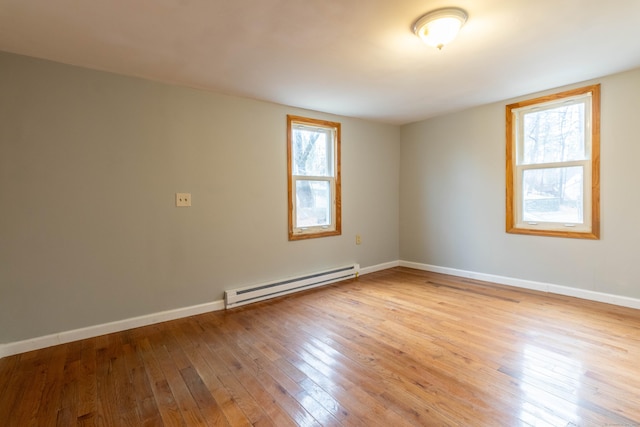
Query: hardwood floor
pixel 399 347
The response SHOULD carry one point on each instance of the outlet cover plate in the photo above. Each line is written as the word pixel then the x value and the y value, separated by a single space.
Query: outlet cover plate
pixel 183 199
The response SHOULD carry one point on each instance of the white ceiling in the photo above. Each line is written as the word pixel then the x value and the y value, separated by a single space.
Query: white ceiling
pixel 351 57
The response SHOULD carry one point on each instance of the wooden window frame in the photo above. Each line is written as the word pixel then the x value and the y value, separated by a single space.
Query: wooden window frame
pixel 335 228
pixel 512 198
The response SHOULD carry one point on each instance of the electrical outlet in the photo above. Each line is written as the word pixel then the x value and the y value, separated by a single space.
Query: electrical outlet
pixel 183 199
pixel 358 239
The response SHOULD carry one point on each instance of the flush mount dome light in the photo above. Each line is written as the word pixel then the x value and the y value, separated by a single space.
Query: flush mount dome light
pixel 440 26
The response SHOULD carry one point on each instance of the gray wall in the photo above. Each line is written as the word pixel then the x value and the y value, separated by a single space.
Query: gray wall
pixel 90 162
pixel 452 209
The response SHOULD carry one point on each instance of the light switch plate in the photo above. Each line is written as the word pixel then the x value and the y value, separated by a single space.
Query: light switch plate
pixel 183 199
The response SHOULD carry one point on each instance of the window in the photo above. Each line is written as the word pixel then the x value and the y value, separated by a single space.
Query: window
pixel 553 165
pixel 313 163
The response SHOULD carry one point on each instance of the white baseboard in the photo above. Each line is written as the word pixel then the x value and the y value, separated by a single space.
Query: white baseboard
pixel 17 347
pixel 106 328
pixel 135 322
pixel 529 284
pixel 379 267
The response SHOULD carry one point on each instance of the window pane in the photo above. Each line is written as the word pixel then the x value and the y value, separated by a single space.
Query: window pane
pixel 311 152
pixel 313 203
pixel 553 195
pixel 554 135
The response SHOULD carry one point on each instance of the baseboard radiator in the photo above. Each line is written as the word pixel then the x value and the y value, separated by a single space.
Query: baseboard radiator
pixel 249 294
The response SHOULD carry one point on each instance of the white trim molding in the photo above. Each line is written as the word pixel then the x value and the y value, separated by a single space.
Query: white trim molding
pixel 106 328
pixel 529 284
pixel 379 267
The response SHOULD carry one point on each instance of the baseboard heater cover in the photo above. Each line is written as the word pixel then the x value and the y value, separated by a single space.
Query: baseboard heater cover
pixel 260 292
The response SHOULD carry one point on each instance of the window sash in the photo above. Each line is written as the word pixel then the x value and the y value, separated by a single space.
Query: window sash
pixel 584 226
pixel 329 134
pixel 297 228
pixel 519 113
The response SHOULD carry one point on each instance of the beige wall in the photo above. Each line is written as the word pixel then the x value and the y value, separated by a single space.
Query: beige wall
pixel 452 210
pixel 90 162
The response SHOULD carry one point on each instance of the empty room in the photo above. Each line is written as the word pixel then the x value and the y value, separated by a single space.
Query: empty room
pixel 319 213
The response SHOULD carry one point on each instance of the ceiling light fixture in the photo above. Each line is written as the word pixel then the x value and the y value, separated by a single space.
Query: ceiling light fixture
pixel 440 26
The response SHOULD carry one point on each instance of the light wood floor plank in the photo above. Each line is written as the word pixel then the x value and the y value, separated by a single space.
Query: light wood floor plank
pixel 399 347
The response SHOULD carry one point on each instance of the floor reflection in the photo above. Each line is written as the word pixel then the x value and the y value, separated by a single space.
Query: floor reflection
pixel 551 384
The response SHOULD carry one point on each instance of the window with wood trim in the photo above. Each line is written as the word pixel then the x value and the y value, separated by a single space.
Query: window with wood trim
pixel 553 165
pixel 313 164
